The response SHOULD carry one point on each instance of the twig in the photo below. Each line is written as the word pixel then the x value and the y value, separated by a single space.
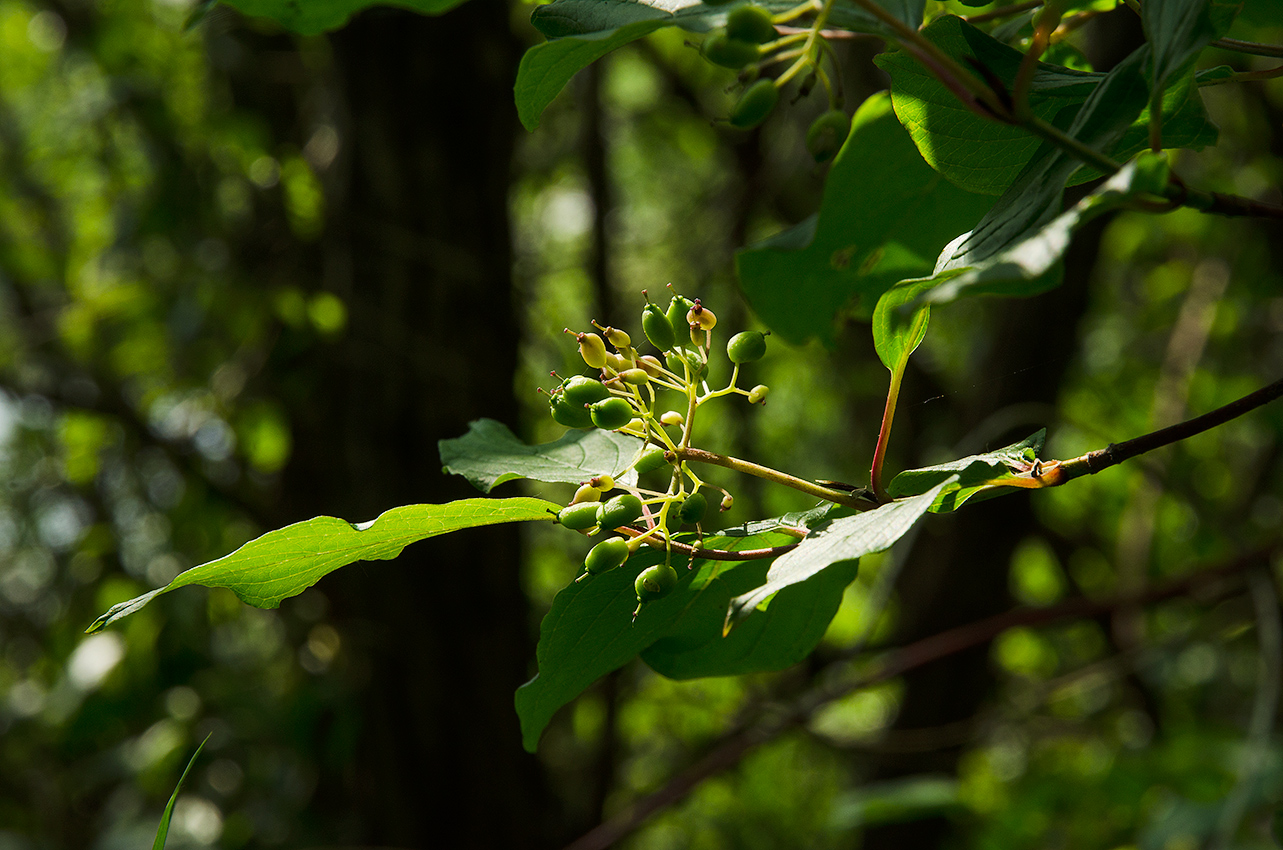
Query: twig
pixel 1093 462
pixel 1248 47
pixel 735 745
pixel 840 497
pixel 709 554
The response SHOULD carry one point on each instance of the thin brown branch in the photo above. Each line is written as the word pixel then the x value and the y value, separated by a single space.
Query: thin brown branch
pixel 1003 12
pixel 735 745
pixel 1251 47
pixel 1093 462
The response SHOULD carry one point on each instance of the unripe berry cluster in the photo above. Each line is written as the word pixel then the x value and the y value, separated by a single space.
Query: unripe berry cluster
pixel 625 396
pixel 749 42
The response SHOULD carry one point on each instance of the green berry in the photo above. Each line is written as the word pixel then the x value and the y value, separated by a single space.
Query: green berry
pixel 733 53
pixel 657 327
pixel 592 349
pixel 752 24
pixel 677 310
pixel 673 519
pixel 611 414
pixel 693 509
pixel 570 415
pixel 636 377
pixel 606 555
pixel 827 135
pixel 746 347
pixel 587 493
pixel 655 582
pixel 580 391
pixel 755 104
pixel 621 510
pixel 651 459
pixel 758 394
pixel 578 517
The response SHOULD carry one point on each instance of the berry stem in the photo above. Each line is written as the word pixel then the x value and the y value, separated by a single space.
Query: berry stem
pixel 774 475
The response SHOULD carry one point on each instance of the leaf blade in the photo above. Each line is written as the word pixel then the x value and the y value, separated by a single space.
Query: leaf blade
pixel 490 454
pixel 287 561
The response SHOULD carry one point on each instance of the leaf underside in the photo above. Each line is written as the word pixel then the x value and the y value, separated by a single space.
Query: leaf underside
pixel 971 473
pixel 490 454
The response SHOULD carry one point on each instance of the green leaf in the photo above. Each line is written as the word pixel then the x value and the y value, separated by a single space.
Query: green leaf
pixel 546 68
pixel 986 156
pixel 974 152
pixel 971 472
pixel 779 637
pixel 1032 264
pixel 285 562
pixel 311 17
pixel 884 217
pixel 582 31
pixel 841 540
pixel 589 630
pixel 162 831
pixel 1177 31
pixel 1034 199
pixel 490 454
pixel 898 327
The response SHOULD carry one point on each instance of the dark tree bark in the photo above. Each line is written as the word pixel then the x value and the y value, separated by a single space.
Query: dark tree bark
pixel 417 245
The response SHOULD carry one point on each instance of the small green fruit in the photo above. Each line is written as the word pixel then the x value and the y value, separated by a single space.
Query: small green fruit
pixel 592 349
pixel 673 519
pixel 755 104
pixel 651 459
pixel 827 135
pixel 655 582
pixel 621 510
pixel 611 414
pixel 636 377
pixel 677 310
pixel 757 395
pixel 693 509
pixel 580 391
pixel 746 347
pixel 657 327
pixel 672 418
pixel 570 415
pixel 733 53
pixel 606 555
pixel 578 517
pixel 752 24
pixel 587 493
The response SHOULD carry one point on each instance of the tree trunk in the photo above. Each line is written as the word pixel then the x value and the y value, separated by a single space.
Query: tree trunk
pixel 417 246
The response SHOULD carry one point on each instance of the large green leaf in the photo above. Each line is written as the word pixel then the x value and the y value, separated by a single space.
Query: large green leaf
pixel 582 31
pixel 841 540
pixel 285 562
pixel 1032 264
pixel 976 153
pixel 985 156
pixel 971 473
pixel 490 454
pixel 1034 198
pixel 310 17
pixel 1177 31
pixel 589 630
pixel 779 637
pixel 884 217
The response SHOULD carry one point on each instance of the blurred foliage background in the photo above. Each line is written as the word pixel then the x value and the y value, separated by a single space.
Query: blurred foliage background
pixel 248 277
